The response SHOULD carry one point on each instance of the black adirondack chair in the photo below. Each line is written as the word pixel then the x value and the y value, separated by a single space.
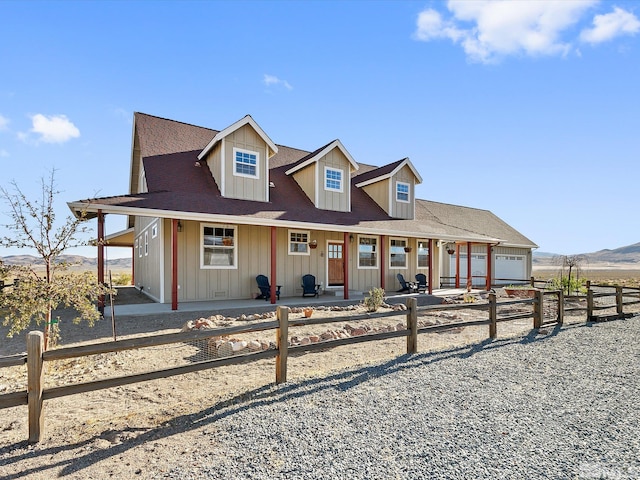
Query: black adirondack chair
pixel 265 288
pixel 406 286
pixel 309 286
pixel 421 280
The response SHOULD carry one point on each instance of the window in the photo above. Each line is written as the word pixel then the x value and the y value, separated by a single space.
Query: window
pixel 402 192
pixel 332 179
pixel 218 247
pixel 154 230
pixel 397 255
pixel 423 254
pixel 298 242
pixel 245 163
pixel 146 243
pixel 367 252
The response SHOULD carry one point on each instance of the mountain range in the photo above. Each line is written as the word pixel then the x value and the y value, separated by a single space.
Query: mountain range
pixel 623 255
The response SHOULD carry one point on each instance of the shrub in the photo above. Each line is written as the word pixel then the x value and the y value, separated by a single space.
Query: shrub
pixel 122 279
pixel 375 299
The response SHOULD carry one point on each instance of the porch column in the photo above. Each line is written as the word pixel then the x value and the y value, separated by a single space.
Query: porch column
pixel 345 259
pixel 489 273
pixel 457 265
pixel 383 273
pixel 174 264
pixel 430 266
pixel 101 259
pixel 469 279
pixel 274 238
pixel 133 265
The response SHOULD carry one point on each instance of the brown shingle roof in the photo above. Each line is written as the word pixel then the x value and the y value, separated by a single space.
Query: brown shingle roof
pixel 176 184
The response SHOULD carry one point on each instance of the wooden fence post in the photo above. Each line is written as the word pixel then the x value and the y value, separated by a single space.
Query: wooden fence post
pixel 533 282
pixel 493 316
pixel 560 307
pixel 35 347
pixel 412 325
pixel 282 343
pixel 538 309
pixel 619 301
pixel 589 302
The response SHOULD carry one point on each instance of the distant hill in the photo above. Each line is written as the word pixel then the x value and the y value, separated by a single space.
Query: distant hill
pixel 77 260
pixel 624 255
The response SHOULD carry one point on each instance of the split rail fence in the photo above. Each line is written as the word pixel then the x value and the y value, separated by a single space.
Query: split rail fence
pixel 36 394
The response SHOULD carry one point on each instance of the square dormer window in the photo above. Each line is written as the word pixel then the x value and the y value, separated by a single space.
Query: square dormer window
pixel 333 179
pixel 402 192
pixel 245 163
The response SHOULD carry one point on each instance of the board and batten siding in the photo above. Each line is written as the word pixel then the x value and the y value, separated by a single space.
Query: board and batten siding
pixel 147 266
pixel 403 209
pixel 246 188
pixel 214 162
pixel 330 200
pixel 306 179
pixel 379 192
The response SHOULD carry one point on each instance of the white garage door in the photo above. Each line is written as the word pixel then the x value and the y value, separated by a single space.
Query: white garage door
pixel 478 269
pixel 510 269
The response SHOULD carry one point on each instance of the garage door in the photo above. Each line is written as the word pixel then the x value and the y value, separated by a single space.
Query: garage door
pixel 510 269
pixel 478 269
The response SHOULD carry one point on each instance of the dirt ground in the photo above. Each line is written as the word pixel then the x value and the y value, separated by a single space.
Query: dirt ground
pixel 142 429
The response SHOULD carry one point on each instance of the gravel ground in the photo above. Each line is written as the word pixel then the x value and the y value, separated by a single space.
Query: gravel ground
pixel 560 405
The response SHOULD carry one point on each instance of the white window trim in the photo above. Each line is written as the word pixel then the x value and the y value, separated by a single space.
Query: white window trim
pixel 408 200
pixel 235 247
pixel 154 230
pixel 289 242
pixel 406 262
pixel 146 243
pixel 375 267
pixel 418 254
pixel 342 180
pixel 251 152
pixel 140 248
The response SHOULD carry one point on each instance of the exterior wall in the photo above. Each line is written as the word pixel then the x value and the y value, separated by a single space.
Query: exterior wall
pixel 329 200
pixel 214 162
pixel 307 180
pixel 136 164
pixel 246 188
pixel 148 265
pixel 403 209
pixel 379 192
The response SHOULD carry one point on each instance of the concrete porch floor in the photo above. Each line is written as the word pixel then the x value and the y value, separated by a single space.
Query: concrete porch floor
pixel 238 307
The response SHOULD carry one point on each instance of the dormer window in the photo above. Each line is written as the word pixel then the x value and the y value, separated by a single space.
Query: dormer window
pixel 402 192
pixel 245 163
pixel 333 179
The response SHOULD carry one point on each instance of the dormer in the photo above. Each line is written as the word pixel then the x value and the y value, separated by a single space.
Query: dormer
pixel 238 158
pixel 392 187
pixel 325 176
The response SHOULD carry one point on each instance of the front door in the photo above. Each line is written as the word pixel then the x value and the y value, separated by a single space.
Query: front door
pixel 335 264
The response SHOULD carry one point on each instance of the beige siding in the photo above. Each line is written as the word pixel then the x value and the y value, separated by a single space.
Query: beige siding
pixel 379 192
pixel 246 188
pixel 306 179
pixel 136 164
pixel 147 266
pixel 329 200
pixel 402 209
pixel 214 162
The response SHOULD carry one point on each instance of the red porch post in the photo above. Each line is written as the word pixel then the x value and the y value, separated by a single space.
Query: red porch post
pixel 489 273
pixel 273 265
pixel 101 259
pixel 469 279
pixel 430 266
pixel 457 265
pixel 345 259
pixel 383 273
pixel 174 264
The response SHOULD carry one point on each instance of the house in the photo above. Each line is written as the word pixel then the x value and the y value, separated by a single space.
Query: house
pixel 209 210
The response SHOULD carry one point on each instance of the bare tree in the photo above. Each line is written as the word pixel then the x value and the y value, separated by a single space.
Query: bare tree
pixel 37 294
pixel 573 263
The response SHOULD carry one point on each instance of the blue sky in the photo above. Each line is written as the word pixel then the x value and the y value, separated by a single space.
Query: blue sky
pixel 528 109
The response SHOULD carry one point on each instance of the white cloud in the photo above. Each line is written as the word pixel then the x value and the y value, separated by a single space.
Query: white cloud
pixel 4 154
pixel 488 30
pixel 54 129
pixel 4 122
pixel 271 80
pixel 611 25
